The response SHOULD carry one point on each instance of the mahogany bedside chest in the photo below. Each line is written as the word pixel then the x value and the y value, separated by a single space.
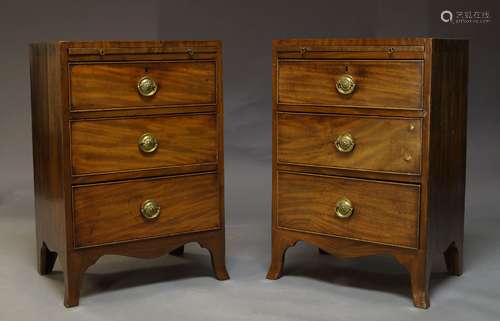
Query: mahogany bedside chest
pixel 128 152
pixel 369 144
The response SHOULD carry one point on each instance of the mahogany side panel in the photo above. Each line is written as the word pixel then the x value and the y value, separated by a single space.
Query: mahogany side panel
pixel 47 130
pixel 448 147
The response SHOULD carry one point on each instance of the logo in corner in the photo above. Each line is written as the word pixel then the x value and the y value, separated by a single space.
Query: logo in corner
pixel 466 16
pixel 446 16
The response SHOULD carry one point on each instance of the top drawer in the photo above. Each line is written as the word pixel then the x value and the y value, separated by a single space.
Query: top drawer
pixel 393 84
pixel 121 85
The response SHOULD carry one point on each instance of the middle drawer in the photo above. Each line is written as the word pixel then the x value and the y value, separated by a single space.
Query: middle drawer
pixel 351 142
pixel 113 145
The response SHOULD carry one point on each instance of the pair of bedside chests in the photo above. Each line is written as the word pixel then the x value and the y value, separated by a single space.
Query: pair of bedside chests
pixel 369 143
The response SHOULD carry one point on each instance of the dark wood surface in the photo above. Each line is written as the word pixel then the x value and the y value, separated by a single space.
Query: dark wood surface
pixel 200 137
pixel 383 212
pixel 110 212
pixel 381 144
pixel 447 148
pixel 440 114
pixel 345 110
pixel 347 172
pixel 143 173
pixel 150 51
pixel 114 85
pixel 48 160
pixel 111 145
pixel 143 111
pixel 387 84
pixel 375 52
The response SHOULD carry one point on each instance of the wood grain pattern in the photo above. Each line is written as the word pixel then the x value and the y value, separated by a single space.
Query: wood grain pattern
pixel 383 212
pixel 448 150
pixel 382 144
pixel 110 213
pixel 142 111
pixel 48 154
pixel 143 173
pixel 104 53
pixel 354 173
pixel 383 83
pixel 344 110
pixel 110 145
pixel 129 56
pixel 342 247
pixel 298 53
pixel 350 51
pixel 137 45
pixel 442 112
pixel 278 44
pixel 52 119
pixel 114 85
pixel 81 259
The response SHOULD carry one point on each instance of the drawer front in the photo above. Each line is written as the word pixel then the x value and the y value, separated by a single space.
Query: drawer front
pixel 380 84
pixel 115 85
pixel 111 212
pixel 378 144
pixel 112 145
pixel 382 212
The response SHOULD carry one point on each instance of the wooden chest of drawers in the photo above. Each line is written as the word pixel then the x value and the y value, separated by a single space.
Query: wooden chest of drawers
pixel 369 142
pixel 128 152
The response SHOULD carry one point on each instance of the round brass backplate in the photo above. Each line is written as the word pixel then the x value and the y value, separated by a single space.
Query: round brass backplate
pixel 345 85
pixel 344 208
pixel 147 86
pixel 147 143
pixel 150 209
pixel 345 143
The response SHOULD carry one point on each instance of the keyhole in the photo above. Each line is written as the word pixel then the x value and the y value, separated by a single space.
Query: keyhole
pixel 346 69
pixel 146 69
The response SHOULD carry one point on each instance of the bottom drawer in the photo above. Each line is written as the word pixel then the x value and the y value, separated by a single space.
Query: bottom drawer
pixel 374 211
pixel 117 212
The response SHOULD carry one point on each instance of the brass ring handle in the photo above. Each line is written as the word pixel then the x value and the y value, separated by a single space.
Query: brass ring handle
pixel 344 208
pixel 147 86
pixel 147 143
pixel 150 209
pixel 345 143
pixel 345 85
